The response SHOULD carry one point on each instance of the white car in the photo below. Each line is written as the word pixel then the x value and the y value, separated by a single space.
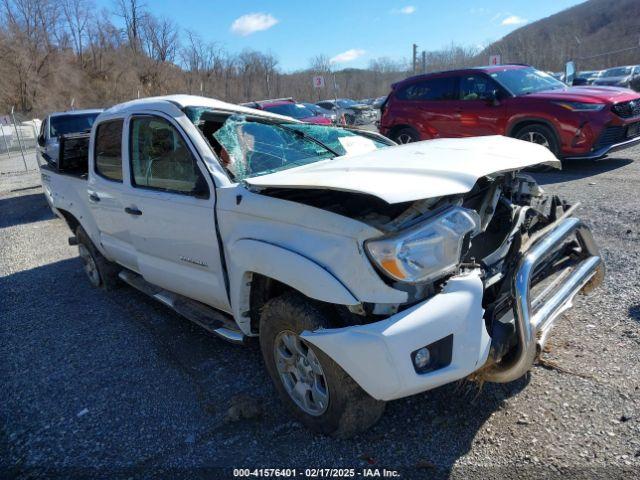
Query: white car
pixel 368 271
pixel 62 123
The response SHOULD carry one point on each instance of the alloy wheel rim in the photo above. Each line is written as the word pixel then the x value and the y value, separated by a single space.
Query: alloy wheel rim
pixel 535 137
pixel 301 373
pixel 404 138
pixel 89 265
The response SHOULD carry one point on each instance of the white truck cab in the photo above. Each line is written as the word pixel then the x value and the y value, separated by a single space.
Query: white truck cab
pixel 368 271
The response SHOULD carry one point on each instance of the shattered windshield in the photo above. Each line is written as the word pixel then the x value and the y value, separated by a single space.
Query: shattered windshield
pixel 250 147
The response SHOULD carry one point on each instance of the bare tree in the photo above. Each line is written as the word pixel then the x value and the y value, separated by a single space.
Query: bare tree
pixel 77 14
pixel 133 13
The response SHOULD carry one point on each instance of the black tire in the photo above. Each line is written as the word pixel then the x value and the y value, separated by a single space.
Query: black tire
pixel 540 134
pixel 406 135
pixel 106 272
pixel 350 409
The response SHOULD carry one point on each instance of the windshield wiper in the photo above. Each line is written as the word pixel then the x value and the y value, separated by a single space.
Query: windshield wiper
pixel 301 134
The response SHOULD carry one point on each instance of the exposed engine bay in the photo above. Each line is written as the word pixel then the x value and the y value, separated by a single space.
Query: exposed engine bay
pixel 513 212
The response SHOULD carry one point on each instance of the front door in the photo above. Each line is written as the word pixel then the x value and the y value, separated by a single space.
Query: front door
pixel 170 204
pixel 479 107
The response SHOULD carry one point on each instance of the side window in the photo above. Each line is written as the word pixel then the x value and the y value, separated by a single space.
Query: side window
pixel 161 160
pixel 108 150
pixel 326 105
pixel 476 87
pixel 432 89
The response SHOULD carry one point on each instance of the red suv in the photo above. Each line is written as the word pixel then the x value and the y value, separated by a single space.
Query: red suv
pixel 514 100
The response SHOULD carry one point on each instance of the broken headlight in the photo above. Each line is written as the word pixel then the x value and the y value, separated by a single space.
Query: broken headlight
pixel 426 251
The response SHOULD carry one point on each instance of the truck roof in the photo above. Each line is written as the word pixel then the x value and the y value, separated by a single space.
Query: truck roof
pixel 182 101
pixel 75 112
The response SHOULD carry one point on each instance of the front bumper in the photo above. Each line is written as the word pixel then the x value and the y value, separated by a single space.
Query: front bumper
pixel 601 152
pixel 378 355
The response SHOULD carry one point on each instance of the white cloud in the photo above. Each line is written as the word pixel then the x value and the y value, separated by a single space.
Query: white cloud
pixel 252 23
pixel 408 10
pixel 348 56
pixel 513 20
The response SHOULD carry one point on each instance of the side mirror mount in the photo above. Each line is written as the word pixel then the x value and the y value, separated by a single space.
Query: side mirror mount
pixel 200 189
pixel 494 97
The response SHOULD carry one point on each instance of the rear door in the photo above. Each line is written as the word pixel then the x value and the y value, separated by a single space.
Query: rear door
pixel 429 105
pixel 105 192
pixel 170 205
pixel 480 107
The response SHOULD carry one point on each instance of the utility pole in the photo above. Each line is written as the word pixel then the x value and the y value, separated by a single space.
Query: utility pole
pixel 415 58
pixel 424 61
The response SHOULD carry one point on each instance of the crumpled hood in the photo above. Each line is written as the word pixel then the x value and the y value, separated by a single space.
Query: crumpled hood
pixel 403 173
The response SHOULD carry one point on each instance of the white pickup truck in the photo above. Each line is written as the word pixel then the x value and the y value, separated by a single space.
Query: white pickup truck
pixel 368 271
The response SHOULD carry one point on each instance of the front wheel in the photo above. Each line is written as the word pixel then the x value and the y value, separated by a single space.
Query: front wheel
pixel 317 391
pixel 406 135
pixel 540 134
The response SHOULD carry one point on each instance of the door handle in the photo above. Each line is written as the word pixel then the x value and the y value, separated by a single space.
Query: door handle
pixel 94 197
pixel 133 211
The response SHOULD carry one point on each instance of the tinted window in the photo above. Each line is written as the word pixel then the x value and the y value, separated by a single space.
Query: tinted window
pixel 160 158
pixel 327 105
pixel 432 89
pixel 476 87
pixel 108 150
pixel 65 124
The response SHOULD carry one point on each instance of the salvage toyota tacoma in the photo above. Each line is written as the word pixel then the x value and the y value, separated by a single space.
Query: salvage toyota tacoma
pixel 368 271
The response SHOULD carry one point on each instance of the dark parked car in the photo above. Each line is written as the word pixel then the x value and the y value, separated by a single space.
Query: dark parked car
pixel 618 76
pixel 286 106
pixel 322 112
pixel 352 112
pixel 516 101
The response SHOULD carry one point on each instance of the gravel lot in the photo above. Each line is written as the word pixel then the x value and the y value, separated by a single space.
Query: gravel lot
pixel 115 385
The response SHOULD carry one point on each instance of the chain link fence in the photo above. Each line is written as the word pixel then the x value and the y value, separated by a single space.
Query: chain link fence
pixel 18 141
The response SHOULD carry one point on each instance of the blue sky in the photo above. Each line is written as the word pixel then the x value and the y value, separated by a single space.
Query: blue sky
pixel 350 31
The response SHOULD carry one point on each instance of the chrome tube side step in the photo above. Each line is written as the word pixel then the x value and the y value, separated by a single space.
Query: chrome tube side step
pixel 532 328
pixel 206 317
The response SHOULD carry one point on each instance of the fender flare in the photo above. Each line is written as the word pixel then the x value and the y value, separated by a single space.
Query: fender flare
pixel 248 256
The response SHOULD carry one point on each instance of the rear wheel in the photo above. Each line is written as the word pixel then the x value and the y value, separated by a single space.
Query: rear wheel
pixel 100 271
pixel 316 390
pixel 406 135
pixel 540 134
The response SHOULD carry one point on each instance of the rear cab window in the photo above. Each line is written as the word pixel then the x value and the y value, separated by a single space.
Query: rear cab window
pixel 108 150
pixel 71 123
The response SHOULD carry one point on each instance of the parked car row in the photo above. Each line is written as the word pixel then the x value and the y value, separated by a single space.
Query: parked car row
pixel 342 111
pixel 626 76
pixel 518 101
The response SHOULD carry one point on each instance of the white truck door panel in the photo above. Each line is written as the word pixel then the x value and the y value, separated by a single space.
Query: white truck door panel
pixel 172 230
pixel 105 191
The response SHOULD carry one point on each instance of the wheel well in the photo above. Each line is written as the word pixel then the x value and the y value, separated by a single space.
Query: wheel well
pixel 264 288
pixel 72 221
pixel 525 123
pixel 397 128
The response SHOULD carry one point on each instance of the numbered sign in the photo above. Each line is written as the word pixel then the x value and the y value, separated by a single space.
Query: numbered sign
pixel 318 81
pixel 494 60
